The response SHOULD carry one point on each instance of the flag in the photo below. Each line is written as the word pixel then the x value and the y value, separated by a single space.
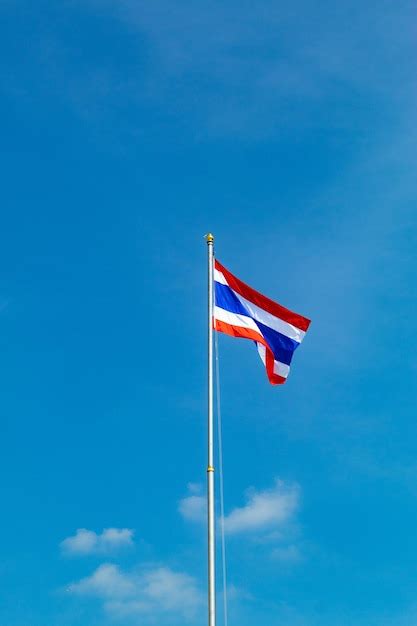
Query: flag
pixel 240 311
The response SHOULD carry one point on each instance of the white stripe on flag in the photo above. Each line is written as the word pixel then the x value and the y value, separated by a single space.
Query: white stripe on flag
pixel 235 319
pixel 219 277
pixel 260 315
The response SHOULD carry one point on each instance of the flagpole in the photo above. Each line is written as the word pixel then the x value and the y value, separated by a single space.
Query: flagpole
pixel 210 462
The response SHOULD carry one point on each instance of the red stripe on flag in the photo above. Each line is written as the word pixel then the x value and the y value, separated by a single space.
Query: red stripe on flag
pixel 262 301
pixel 247 333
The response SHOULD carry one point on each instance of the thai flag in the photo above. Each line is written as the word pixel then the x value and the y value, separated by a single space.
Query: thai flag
pixel 240 311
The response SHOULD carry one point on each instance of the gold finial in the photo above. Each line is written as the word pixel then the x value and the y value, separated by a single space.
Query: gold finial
pixel 209 238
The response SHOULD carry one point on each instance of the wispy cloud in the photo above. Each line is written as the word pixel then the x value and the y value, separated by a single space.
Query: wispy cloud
pixel 4 304
pixel 86 542
pixel 232 68
pixel 239 68
pixel 156 591
pixel 193 506
pixel 106 582
pixel 265 510
pixel 287 554
pixel 269 518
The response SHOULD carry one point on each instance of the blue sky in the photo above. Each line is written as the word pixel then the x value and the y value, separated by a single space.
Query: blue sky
pixel 128 131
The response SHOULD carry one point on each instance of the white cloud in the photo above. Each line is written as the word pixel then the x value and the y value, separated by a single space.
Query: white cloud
pixel 154 591
pixel 107 582
pixel 193 507
pixel 287 554
pixel 86 542
pixel 270 510
pixel 264 510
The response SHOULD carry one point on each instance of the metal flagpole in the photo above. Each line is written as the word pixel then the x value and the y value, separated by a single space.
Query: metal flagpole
pixel 210 464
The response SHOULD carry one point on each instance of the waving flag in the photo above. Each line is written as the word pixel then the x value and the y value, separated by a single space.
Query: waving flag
pixel 240 311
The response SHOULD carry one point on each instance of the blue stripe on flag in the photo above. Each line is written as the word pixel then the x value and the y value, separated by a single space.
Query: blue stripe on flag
pixel 281 346
pixel 226 299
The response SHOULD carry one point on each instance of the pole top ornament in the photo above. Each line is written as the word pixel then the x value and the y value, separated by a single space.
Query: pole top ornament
pixel 210 238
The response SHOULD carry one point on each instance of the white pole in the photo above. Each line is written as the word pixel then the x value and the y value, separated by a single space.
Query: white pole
pixel 210 464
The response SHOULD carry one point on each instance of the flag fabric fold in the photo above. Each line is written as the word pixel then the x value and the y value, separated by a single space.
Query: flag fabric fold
pixel 240 311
